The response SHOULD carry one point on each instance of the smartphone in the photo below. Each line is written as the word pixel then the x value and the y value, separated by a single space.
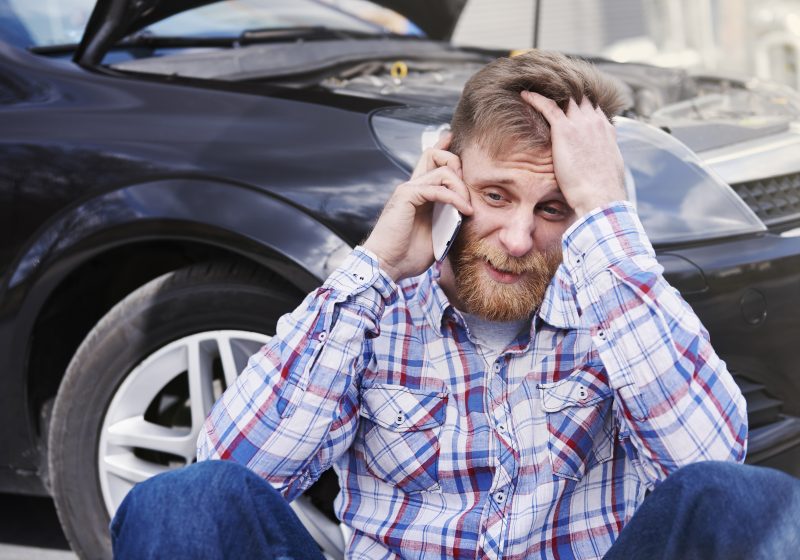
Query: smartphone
pixel 446 223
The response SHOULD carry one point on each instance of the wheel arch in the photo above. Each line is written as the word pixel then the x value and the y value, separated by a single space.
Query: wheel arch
pixel 110 245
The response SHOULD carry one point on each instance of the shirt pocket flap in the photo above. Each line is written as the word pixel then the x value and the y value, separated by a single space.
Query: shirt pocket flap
pixel 402 409
pixel 581 388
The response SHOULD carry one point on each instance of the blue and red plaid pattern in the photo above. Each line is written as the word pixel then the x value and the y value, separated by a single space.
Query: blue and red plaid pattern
pixel 545 453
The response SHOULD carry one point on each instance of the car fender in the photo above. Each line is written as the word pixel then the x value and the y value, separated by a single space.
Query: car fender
pixel 242 219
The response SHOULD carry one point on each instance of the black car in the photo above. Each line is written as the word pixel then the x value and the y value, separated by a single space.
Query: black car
pixel 174 181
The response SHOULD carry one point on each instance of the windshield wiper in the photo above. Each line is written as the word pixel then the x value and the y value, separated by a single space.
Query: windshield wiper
pixel 268 34
pixel 145 39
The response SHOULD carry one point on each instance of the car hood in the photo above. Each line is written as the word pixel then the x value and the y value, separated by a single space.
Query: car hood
pixel 112 20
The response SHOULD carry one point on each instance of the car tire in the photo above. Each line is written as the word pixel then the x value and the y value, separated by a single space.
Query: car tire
pixel 212 300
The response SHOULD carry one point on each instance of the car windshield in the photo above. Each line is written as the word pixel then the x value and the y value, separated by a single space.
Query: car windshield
pixel 46 22
pixel 232 17
pixel 61 22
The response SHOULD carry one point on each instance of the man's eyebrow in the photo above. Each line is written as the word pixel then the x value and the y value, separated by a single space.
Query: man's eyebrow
pixel 556 192
pixel 491 181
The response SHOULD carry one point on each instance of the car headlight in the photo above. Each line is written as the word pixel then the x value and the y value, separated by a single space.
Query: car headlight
pixel 678 198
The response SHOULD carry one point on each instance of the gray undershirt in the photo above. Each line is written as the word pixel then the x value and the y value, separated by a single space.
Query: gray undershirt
pixel 492 337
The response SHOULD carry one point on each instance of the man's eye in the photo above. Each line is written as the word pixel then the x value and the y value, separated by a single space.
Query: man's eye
pixel 555 210
pixel 497 197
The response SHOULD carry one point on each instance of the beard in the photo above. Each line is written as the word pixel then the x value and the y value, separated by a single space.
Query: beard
pixel 492 300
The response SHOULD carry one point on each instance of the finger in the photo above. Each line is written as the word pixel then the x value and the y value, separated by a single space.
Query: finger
pixel 456 183
pixel 439 179
pixel 441 193
pixel 602 113
pixel 444 140
pixel 444 175
pixel 546 106
pixel 587 112
pixel 573 108
pixel 435 157
pixel 599 116
pixel 443 158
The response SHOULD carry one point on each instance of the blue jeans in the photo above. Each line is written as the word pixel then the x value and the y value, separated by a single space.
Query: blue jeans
pixel 218 509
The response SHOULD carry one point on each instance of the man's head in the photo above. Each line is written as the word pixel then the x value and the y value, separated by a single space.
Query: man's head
pixel 509 249
pixel 492 115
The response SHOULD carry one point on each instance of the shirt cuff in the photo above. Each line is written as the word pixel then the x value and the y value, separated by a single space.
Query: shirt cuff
pixel 603 238
pixel 359 272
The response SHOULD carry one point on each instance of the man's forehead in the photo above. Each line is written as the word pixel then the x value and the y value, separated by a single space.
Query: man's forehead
pixel 479 158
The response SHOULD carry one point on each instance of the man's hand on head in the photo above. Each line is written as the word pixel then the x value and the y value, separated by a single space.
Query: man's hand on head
pixel 401 239
pixel 586 159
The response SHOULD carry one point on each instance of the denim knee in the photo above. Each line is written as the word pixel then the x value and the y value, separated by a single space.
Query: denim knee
pixel 712 476
pixel 187 502
pixel 732 482
pixel 190 489
pixel 716 510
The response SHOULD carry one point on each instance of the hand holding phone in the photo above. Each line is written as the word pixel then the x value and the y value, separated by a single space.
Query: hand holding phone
pixel 407 237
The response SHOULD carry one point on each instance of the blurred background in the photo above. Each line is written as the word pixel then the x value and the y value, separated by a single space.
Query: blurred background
pixel 740 38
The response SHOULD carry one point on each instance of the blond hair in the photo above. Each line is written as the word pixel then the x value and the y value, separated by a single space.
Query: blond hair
pixel 492 114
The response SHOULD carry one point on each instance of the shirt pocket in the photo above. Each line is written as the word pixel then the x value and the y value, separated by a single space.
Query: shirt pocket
pixel 401 435
pixel 579 423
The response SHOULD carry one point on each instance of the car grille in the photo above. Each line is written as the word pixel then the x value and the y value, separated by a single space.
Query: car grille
pixel 774 199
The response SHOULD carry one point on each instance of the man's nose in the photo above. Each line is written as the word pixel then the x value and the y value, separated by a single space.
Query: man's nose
pixel 517 235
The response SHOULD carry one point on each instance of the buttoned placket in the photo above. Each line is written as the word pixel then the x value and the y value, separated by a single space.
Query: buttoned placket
pixel 499 416
pixel 500 495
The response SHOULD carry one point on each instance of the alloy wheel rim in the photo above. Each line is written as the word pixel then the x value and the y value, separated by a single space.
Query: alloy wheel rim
pixel 152 423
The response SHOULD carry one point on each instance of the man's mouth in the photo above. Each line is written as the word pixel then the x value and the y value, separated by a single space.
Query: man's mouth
pixel 502 276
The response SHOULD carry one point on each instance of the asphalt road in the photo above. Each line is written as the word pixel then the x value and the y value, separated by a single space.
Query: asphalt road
pixel 29 530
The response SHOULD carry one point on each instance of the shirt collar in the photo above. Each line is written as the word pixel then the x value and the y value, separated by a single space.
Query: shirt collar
pixel 558 309
pixel 432 298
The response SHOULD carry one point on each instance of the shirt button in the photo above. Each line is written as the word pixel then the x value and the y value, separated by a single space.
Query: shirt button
pixel 601 335
pixel 499 497
pixel 322 336
pixel 400 418
pixel 582 393
pixel 501 428
pixel 497 367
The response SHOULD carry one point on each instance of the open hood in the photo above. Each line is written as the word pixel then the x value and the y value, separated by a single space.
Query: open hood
pixel 113 20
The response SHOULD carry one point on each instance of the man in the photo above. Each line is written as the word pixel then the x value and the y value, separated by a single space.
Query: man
pixel 518 401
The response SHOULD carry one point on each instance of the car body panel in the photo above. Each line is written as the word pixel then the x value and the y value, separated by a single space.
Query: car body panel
pixel 185 186
pixel 227 216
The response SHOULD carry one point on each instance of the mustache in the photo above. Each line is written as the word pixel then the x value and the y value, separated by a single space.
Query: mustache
pixel 479 250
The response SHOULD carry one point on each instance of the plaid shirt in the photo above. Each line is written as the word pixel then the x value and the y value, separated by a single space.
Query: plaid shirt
pixel 545 453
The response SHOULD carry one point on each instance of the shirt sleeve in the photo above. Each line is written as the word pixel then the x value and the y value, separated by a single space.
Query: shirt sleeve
pixel 294 409
pixel 674 397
